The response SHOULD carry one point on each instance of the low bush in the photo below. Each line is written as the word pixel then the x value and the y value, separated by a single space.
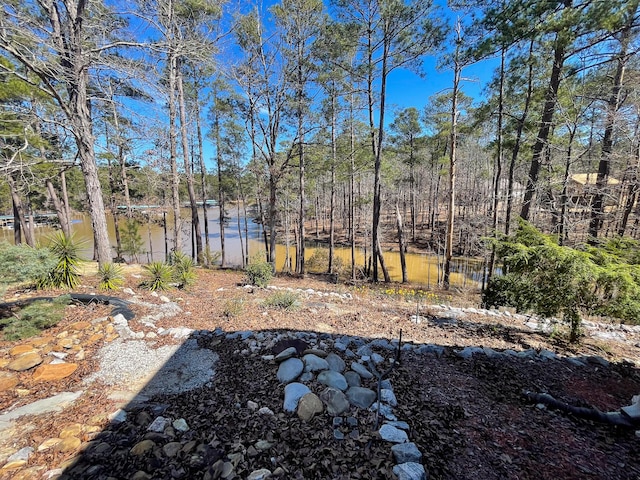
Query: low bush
pixel 233 307
pixel 65 273
pixel 110 276
pixel 34 318
pixel 183 270
pixel 258 272
pixel 158 276
pixel 283 300
pixel 542 277
pixel 22 263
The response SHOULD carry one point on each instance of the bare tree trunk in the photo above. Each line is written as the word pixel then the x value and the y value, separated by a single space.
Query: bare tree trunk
pixel 193 202
pixel 59 208
pixel 446 279
pixel 20 221
pixel 401 244
pixel 203 173
pixel 518 142
pixel 173 152
pixel 498 165
pixel 334 159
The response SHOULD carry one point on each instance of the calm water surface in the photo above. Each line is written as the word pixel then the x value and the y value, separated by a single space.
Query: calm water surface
pixel 421 268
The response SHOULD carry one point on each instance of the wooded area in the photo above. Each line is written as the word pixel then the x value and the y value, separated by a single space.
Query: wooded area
pixel 289 103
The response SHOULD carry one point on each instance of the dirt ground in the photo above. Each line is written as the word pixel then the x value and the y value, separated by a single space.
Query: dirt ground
pixel 468 416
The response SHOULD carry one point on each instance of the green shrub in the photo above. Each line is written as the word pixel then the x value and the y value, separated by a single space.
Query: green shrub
pixel 182 267
pixel 283 300
pixel 34 318
pixel 22 263
pixel 548 279
pixel 110 276
pixel 65 273
pixel 211 257
pixel 158 276
pixel 131 239
pixel 233 307
pixel 258 272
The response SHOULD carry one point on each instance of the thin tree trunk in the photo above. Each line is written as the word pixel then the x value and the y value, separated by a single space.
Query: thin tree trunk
pixel 401 244
pixel 193 202
pixel 59 208
pixel 173 152
pixel 20 221
pixel 446 279
pixel 203 171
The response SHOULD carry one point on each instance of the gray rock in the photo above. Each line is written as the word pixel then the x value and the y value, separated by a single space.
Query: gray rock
pixel 361 370
pixel 52 404
pixel 467 352
pixel 308 406
pixel 387 396
pixel 377 358
pixel 333 379
pixel 341 347
pixel 289 370
pixel 335 363
pixel 338 435
pixel 386 383
pixel 313 363
pixel 406 452
pixel 576 362
pixel 547 355
pixel 364 350
pixel 353 379
pixel 180 425
pixel 385 410
pixel 261 474
pixel 335 400
pixel 361 397
pixel 305 377
pixel 392 434
pixel 436 350
pixel 349 354
pixel 22 454
pixel 382 343
pixel 491 353
pixel 400 425
pixel 410 471
pixel 265 411
pixel 159 424
pixel 292 395
pixel 632 411
pixel 529 354
pixel 285 354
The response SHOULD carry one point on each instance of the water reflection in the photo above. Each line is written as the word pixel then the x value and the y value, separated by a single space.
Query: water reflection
pixel 421 268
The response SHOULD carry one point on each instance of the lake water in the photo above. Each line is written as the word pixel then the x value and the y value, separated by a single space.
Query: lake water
pixel 421 268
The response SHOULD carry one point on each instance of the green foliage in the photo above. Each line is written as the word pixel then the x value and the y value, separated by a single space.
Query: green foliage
pixel 182 267
pixel 211 257
pixel 284 300
pixel 548 279
pixel 34 318
pixel 65 273
pixel 233 307
pixel 110 276
pixel 258 272
pixel 22 263
pixel 131 239
pixel 158 276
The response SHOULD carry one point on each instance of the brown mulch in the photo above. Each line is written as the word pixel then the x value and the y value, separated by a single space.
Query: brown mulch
pixel 468 417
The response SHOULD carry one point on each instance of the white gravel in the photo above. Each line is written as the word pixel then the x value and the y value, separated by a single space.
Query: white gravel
pixel 169 369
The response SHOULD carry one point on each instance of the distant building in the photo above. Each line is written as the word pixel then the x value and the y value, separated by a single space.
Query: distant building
pixel 582 186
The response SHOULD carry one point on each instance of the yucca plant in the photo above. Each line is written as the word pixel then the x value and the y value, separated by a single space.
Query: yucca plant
pixel 110 276
pixel 66 250
pixel 183 273
pixel 158 276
